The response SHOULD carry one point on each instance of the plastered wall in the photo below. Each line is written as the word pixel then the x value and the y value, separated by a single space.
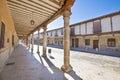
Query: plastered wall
pixel 5 17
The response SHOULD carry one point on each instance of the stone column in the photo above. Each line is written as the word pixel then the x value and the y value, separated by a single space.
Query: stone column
pixel 28 42
pixel 44 41
pixel 66 67
pixel 32 43
pixel 38 42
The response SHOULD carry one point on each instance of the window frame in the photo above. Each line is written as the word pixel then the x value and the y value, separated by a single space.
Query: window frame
pixel 87 42
pixel 72 31
pixel 61 31
pixel 111 42
pixel 97 26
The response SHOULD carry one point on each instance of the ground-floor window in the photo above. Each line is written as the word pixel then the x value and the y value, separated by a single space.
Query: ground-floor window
pixel 61 42
pixel 87 42
pixel 111 42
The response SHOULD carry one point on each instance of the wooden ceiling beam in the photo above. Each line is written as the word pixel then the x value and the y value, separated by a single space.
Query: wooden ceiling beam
pixel 25 13
pixel 44 5
pixel 66 6
pixel 40 7
pixel 27 7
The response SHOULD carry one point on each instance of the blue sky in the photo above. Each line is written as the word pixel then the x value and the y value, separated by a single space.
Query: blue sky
pixel 87 9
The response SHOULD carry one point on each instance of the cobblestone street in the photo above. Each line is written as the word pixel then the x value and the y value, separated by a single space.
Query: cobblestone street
pixel 88 66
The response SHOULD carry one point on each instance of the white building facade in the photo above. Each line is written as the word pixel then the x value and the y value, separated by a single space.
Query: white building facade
pixel 102 33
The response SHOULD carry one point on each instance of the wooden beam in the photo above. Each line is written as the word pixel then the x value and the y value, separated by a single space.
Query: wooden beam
pixel 67 5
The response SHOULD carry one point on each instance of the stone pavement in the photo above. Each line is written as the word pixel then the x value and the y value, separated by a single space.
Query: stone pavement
pixel 86 66
pixel 90 66
pixel 23 66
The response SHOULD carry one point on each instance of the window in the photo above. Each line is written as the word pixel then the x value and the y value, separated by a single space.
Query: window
pixel 56 33
pixel 47 33
pixel 72 31
pixel 2 35
pixel 111 42
pixel 51 33
pixel 97 26
pixel 87 41
pixel 62 32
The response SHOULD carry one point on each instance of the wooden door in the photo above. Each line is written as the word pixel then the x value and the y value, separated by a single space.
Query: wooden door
pixel 76 42
pixel 72 42
pixel 95 44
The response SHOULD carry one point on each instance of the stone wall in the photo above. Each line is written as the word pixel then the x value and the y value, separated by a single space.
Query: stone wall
pixel 6 18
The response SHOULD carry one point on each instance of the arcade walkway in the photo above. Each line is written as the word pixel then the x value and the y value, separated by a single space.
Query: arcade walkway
pixel 23 66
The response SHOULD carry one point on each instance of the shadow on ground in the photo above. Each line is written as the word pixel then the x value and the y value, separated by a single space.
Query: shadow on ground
pixel 55 69
pixel 74 75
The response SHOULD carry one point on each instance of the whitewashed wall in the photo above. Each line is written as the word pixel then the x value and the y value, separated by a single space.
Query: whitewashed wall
pixel 77 30
pixel 59 32
pixel 49 34
pixel 106 25
pixel 90 28
pixel 82 29
pixel 41 35
pixel 53 33
pixel 116 23
pixel 35 36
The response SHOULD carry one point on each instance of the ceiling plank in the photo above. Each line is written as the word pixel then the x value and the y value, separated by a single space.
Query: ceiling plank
pixel 26 13
pixel 40 7
pixel 27 7
pixel 41 11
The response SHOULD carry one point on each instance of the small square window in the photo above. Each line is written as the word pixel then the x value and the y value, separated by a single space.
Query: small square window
pixel 87 42
pixel 111 42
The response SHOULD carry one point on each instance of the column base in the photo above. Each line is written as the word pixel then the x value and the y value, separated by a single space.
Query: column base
pixel 38 52
pixel 43 55
pixel 66 68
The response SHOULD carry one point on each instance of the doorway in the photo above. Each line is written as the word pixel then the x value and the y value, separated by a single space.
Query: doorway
pixel 72 42
pixel 95 44
pixel 76 42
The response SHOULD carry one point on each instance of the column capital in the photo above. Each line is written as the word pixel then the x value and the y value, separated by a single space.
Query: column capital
pixel 38 29
pixel 67 13
pixel 45 28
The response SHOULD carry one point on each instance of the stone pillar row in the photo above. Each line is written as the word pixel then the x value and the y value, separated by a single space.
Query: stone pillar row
pixel 66 66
